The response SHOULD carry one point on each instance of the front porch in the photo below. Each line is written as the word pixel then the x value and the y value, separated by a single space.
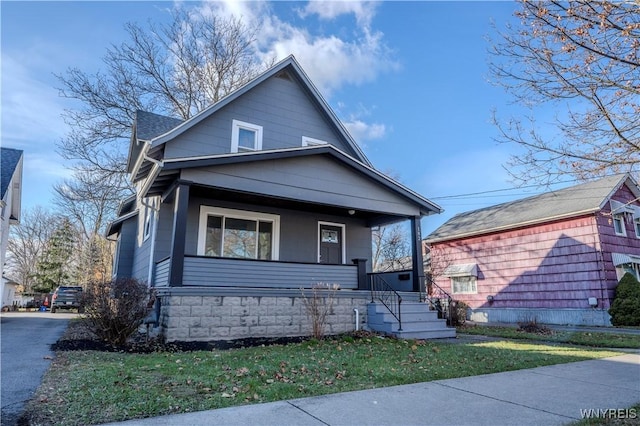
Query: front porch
pixel 204 271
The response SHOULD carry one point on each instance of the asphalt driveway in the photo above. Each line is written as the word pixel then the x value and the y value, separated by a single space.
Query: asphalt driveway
pixel 25 355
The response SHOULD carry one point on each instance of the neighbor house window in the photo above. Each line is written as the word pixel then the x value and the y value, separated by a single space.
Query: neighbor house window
pixel 463 278
pixel 463 285
pixel 636 225
pixel 238 234
pixel 148 213
pixel 618 224
pixel 245 137
pixel 306 141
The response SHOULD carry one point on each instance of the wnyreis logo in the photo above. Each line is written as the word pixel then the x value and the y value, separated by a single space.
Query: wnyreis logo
pixel 609 413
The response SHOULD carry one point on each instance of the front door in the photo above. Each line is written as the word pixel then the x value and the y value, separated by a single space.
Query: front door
pixel 331 241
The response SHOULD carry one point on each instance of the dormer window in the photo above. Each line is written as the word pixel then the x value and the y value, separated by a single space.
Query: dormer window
pixel 245 137
pixel 307 141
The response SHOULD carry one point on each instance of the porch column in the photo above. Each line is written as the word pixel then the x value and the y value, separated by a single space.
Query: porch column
pixel 178 239
pixel 361 264
pixel 416 255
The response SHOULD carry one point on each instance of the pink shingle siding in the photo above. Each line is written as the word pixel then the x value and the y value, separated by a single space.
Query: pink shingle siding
pixel 554 265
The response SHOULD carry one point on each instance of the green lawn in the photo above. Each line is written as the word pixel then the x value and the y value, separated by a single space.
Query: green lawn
pixel 88 387
pixel 593 339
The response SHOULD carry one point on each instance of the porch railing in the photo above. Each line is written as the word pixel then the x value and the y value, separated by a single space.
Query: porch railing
pixel 391 299
pixel 440 301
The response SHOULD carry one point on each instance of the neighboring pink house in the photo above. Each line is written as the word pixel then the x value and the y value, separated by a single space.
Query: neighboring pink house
pixel 555 257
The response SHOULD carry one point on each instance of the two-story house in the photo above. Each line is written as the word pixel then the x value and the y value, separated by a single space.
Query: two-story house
pixel 555 257
pixel 246 205
pixel 10 202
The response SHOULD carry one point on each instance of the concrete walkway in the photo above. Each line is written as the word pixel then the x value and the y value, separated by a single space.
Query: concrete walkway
pixel 551 395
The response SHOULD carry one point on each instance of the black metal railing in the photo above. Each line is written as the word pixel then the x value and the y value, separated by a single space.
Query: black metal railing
pixel 440 301
pixel 391 299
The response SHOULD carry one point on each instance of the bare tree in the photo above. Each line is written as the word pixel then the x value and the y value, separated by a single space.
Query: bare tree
pixel 27 242
pixel 176 69
pixel 582 58
pixel 391 249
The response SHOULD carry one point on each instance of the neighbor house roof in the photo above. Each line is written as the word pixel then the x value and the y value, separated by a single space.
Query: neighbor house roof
pixel 554 205
pixel 9 159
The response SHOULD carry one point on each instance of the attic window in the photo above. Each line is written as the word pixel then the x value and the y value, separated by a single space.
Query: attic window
pixel 618 224
pixel 245 137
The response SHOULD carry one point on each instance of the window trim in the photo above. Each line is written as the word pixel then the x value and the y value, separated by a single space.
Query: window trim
pixel 473 279
pixel 235 136
pixel 620 217
pixel 206 211
pixel 636 226
pixel 307 141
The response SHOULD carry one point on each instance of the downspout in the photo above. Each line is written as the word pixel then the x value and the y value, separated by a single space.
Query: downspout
pixel 357 318
pixel 152 237
pixel 156 211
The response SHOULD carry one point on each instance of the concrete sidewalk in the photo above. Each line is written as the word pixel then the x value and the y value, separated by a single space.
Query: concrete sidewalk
pixel 551 395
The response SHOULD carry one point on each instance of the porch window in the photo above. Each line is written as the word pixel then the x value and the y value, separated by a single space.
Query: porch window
pixel 245 137
pixel 238 234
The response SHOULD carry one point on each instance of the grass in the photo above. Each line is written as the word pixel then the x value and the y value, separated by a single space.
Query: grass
pixel 592 339
pixel 89 387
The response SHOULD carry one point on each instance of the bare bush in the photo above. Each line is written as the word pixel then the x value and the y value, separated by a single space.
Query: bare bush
pixel 319 305
pixel 115 309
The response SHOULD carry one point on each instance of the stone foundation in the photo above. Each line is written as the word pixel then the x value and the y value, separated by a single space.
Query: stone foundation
pixel 208 314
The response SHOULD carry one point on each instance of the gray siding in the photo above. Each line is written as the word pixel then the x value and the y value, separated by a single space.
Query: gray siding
pixel 317 179
pixel 203 271
pixel 127 247
pixel 161 278
pixel 279 105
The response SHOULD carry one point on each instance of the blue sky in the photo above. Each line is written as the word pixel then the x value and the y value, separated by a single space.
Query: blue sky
pixel 409 80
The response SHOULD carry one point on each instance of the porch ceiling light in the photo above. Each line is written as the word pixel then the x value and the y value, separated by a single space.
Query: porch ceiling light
pixel 351 212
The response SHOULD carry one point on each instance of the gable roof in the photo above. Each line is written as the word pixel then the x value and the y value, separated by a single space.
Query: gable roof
pixel 9 159
pixel 158 128
pixel 573 201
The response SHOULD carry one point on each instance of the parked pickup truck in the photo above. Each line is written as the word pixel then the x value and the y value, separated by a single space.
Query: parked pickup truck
pixel 67 297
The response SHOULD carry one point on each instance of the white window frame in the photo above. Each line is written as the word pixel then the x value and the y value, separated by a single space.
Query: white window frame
pixel 343 231
pixel 474 284
pixel 235 136
pixel 116 257
pixel 307 141
pixel 619 217
pixel 206 211
pixel 146 225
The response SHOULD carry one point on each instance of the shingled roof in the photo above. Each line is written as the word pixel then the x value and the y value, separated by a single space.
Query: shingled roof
pixel 568 202
pixel 9 159
pixel 150 125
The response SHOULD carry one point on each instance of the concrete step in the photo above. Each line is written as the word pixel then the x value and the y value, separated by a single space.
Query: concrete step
pixel 428 334
pixel 418 322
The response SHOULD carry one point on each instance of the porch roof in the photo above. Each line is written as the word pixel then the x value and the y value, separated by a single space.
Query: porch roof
pixel 171 170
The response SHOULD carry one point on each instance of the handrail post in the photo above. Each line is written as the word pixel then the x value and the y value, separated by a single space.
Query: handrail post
pixel 399 314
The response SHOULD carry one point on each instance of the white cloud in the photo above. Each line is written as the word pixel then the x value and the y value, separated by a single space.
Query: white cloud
pixel 363 132
pixel 364 11
pixel 330 61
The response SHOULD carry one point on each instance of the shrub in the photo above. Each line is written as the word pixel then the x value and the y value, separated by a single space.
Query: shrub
pixel 457 313
pixel 532 326
pixel 625 309
pixel 115 309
